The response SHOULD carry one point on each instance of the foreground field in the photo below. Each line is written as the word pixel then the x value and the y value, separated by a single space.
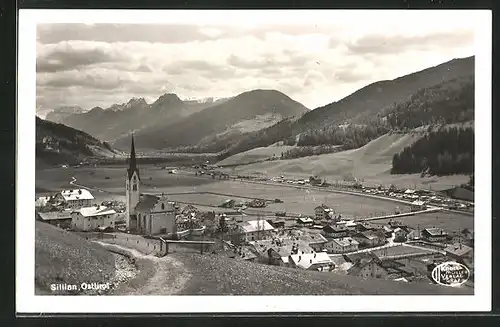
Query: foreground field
pixel 372 163
pixel 62 257
pixel 218 275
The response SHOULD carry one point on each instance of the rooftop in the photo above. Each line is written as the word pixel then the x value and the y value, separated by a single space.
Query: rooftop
pixel 458 249
pixel 96 211
pixel 52 215
pixel 434 231
pixel 313 238
pixel 345 241
pixel 255 225
pixel 306 260
pixel 76 194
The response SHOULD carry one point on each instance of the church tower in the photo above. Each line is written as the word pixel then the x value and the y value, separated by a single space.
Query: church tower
pixel 132 192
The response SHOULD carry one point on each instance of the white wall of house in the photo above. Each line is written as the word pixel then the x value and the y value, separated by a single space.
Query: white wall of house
pixel 334 247
pixel 160 219
pixel 258 235
pixel 372 270
pixel 82 223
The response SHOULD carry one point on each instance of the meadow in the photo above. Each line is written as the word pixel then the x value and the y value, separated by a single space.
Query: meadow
pixel 108 183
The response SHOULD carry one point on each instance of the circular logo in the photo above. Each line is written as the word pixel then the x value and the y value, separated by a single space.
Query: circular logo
pixel 450 274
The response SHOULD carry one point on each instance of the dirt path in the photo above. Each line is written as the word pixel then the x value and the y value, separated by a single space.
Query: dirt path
pixel 156 276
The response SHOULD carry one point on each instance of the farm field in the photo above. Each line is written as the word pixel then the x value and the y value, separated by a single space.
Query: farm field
pixel 448 221
pixel 255 155
pixel 156 180
pixel 372 163
pixel 294 200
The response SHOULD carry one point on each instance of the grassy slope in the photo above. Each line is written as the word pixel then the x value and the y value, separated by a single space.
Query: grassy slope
pixel 371 162
pixel 218 275
pixel 255 154
pixel 63 257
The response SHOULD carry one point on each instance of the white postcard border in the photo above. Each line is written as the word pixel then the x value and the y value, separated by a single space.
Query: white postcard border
pixel 27 302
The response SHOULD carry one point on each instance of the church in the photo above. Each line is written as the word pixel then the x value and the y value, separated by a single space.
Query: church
pixel 146 214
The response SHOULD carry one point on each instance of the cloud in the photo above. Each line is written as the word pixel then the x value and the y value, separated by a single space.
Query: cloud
pixel 316 64
pixel 387 44
pixel 68 56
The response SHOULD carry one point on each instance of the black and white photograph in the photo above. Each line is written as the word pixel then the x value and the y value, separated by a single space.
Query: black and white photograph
pixel 242 155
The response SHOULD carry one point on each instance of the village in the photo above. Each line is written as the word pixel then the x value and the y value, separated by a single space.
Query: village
pixel 324 241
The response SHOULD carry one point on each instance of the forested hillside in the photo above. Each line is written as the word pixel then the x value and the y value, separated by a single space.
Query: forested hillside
pixel 446 152
pixel 434 96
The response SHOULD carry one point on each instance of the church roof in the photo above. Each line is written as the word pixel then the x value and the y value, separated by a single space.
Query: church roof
pixel 132 162
pixel 147 203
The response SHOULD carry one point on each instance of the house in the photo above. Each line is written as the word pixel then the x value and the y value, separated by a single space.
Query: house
pixel 336 231
pixel 257 203
pixel 155 215
pixel 278 251
pixel 418 205
pixel 317 261
pixel 396 223
pixel 252 230
pixel 459 252
pixel 60 219
pixel 388 230
pixel 368 268
pixel 77 198
pixel 91 218
pixel 305 221
pixel 42 201
pixel 364 226
pixel 323 212
pixel 370 238
pixel 277 223
pixel 229 203
pixel 400 234
pixel 434 235
pixel 342 245
pixel 315 241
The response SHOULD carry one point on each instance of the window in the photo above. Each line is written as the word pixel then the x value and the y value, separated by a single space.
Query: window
pixel 163 206
pixel 134 187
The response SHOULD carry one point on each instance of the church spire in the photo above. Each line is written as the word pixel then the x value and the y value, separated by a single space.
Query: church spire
pixel 132 162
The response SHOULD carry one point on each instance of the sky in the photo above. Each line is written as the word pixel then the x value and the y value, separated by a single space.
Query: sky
pixel 314 58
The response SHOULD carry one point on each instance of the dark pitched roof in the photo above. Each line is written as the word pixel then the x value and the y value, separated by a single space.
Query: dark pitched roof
pixel 147 203
pixel 132 162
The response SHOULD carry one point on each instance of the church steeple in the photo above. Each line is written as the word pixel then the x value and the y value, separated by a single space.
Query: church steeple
pixel 132 161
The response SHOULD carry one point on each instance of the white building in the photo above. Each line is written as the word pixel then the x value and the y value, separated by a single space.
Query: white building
pixel 155 215
pixel 91 218
pixel 132 191
pixel 342 245
pixel 323 212
pixel 255 229
pixel 77 198
pixel 318 261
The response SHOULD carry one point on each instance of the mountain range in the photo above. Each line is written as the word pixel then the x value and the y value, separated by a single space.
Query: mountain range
pixel 58 143
pixel 263 117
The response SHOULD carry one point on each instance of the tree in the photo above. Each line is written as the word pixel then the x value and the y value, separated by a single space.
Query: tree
pixel 222 227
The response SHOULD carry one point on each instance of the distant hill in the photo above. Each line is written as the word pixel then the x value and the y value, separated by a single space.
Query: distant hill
pixel 120 119
pixel 60 144
pixel 246 112
pixel 59 114
pixel 443 94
